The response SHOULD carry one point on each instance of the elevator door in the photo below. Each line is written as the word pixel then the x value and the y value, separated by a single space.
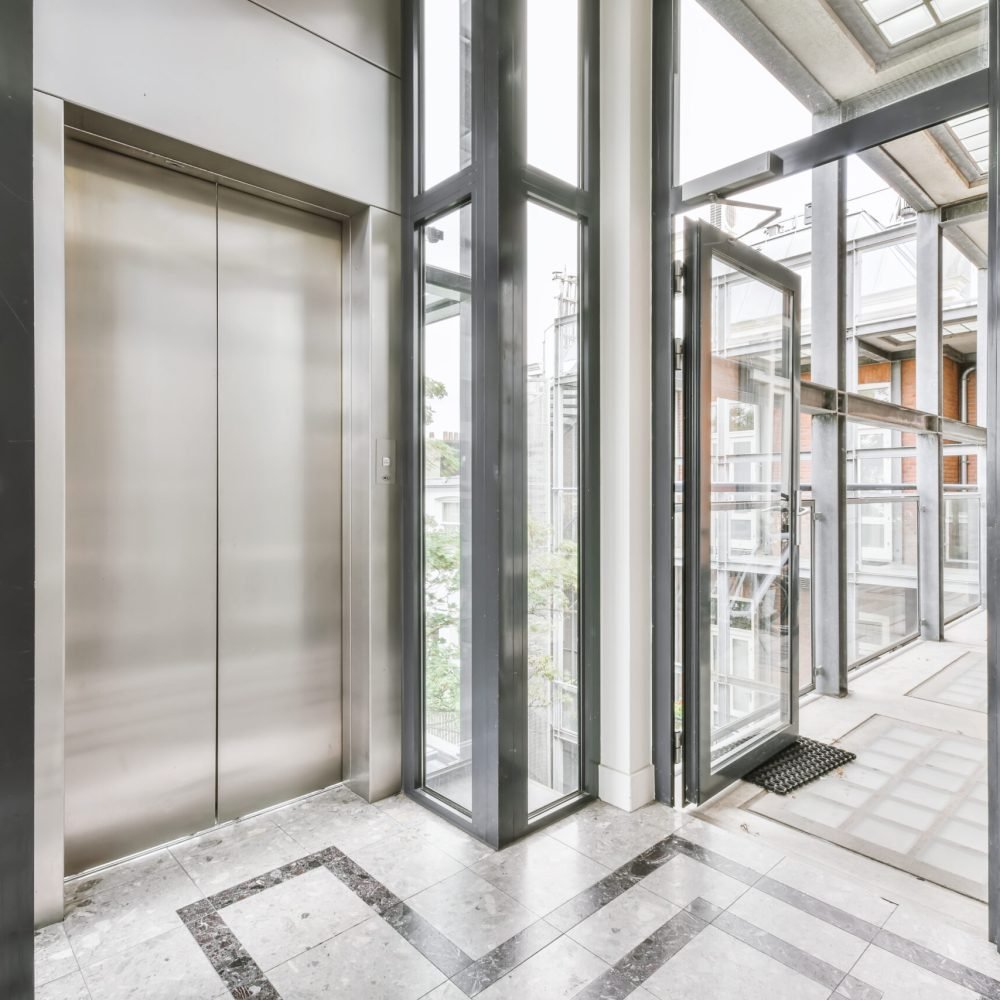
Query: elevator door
pixel 140 505
pixel 203 505
pixel 279 503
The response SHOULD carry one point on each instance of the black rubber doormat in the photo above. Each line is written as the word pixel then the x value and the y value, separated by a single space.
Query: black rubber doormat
pixel 804 761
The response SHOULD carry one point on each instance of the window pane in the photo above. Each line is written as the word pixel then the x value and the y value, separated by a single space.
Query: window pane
pixel 731 105
pixel 554 87
pixel 446 353
pixel 447 138
pixel 552 353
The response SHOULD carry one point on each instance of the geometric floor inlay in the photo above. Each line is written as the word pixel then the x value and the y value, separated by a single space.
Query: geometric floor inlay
pixel 603 905
pixel 961 684
pixel 915 798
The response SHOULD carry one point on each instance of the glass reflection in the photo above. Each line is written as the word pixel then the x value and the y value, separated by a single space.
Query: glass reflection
pixel 751 515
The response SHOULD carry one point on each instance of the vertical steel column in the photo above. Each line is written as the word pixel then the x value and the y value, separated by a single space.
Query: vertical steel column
pixel 17 502
pixel 664 623
pixel 982 409
pixel 829 560
pixel 990 372
pixel 929 452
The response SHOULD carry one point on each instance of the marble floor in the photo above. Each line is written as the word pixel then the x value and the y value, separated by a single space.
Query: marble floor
pixel 333 897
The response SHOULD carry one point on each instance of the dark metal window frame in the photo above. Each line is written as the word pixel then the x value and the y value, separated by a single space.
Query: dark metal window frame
pixel 670 199
pixel 498 184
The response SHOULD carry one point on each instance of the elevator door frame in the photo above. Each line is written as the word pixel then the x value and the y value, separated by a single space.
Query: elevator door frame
pixel 372 379
pixel 317 206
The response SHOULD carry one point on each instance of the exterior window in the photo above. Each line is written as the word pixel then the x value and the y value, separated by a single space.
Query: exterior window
pixel 552 353
pixel 447 144
pixel 446 356
pixel 554 88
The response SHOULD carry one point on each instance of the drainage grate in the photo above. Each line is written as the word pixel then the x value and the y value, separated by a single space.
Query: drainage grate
pixel 804 761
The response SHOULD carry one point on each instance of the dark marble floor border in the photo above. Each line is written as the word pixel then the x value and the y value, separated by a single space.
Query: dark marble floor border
pixel 245 979
pixel 506 957
pixel 240 973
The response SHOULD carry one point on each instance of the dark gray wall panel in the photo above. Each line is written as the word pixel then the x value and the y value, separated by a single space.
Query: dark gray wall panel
pixel 17 493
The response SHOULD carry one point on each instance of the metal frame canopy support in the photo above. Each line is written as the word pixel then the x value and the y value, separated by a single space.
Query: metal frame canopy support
pixel 829 562
pixel 498 184
pixel 928 448
pixel 858 132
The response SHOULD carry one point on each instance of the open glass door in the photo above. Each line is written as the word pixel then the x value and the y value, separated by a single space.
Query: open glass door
pixel 741 448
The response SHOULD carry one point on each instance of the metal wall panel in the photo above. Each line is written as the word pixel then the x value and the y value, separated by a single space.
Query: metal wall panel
pixel 232 78
pixel 373 647
pixel 140 505
pixel 279 503
pixel 50 506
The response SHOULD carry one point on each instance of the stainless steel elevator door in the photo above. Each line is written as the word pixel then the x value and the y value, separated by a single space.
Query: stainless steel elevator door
pixel 279 503
pixel 140 505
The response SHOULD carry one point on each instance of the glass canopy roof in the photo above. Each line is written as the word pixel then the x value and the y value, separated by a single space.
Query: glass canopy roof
pixel 899 20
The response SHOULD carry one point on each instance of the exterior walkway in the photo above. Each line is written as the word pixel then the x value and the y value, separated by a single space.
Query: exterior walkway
pixel 332 897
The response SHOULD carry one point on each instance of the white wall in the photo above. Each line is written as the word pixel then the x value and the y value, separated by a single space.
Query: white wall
pixel 234 78
pixel 626 772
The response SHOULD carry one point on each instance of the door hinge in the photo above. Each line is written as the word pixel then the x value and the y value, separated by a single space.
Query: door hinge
pixel 680 273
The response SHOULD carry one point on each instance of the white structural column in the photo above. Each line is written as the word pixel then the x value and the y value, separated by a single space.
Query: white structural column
pixel 626 771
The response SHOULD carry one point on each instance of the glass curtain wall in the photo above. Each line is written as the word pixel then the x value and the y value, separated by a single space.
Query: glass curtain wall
pixel 500 686
pixel 888 236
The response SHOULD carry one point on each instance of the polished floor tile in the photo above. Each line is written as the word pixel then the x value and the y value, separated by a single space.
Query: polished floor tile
pixel 125 872
pixel 834 890
pixel 744 848
pixel 823 941
pixel 71 987
pixel 541 873
pixel 446 991
pixel 445 837
pixel 406 862
pixel 558 972
pixel 368 962
pixel 617 928
pixel 611 836
pixel 334 817
pixel 235 853
pixel 472 912
pixel 54 956
pixel 168 967
pixel 925 927
pixel 700 912
pixel 902 980
pixel 288 919
pixel 682 880
pixel 104 921
pixel 733 969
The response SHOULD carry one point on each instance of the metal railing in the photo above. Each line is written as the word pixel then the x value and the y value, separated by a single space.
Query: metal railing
pixel 883 573
pixel 962 553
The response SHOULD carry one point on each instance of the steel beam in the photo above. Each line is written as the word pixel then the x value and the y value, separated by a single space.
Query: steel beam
pixel 829 578
pixel 929 455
